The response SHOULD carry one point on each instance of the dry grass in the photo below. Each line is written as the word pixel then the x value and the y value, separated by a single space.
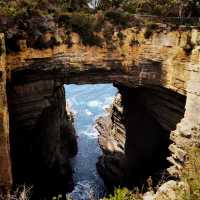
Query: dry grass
pixel 21 193
pixel 191 175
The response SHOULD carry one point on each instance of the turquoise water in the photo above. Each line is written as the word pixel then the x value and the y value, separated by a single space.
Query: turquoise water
pixel 88 102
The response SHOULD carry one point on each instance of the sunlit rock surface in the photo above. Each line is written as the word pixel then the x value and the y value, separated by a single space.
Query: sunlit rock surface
pixel 167 58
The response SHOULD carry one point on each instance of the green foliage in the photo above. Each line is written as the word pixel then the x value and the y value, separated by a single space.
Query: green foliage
pixel 117 17
pixel 84 24
pixel 177 8
pixel 191 175
pixel 124 194
pixel 44 7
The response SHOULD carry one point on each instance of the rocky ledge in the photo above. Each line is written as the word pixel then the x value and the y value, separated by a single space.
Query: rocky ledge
pixel 111 164
pixel 134 138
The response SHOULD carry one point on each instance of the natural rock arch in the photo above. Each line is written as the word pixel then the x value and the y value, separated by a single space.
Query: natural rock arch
pixel 159 60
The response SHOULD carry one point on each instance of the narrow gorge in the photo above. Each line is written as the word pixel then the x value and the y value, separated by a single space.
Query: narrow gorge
pixel 154 117
pixel 136 140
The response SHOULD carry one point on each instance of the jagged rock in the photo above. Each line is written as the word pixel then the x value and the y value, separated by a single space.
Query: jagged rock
pixel 149 196
pixel 171 190
pixel 137 133
pixel 112 142
pixel 160 60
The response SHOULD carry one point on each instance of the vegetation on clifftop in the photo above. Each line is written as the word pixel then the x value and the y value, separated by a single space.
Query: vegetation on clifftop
pixel 22 19
pixel 191 175
pixel 176 8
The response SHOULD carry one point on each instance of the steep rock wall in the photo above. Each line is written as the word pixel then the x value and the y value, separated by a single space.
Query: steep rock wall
pixel 42 136
pixel 134 60
pixel 135 144
pixel 5 162
pixel 161 59
pixel 187 133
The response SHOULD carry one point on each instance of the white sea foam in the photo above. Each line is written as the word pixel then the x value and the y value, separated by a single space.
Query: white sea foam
pixel 87 112
pixel 88 102
pixel 94 103
pixel 90 133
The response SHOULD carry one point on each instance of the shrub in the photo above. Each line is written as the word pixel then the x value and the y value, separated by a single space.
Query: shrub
pixel 22 7
pixel 191 174
pixel 84 24
pixel 118 17
pixel 124 194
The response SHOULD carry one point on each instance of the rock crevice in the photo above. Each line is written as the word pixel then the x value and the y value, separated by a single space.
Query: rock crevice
pixel 153 70
pixel 135 137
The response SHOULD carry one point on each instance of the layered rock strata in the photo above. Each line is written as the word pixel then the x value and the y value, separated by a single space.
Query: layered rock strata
pixel 135 60
pixel 42 136
pixel 5 162
pixel 187 133
pixel 111 165
pixel 136 138
pixel 167 58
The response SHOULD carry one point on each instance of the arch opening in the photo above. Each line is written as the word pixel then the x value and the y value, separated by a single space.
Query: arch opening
pixel 88 102
pixel 134 136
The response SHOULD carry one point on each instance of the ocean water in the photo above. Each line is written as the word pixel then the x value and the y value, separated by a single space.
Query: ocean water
pixel 88 102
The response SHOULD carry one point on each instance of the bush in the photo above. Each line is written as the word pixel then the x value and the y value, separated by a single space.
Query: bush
pixel 118 17
pixel 191 174
pixel 16 8
pixel 84 24
pixel 23 7
pixel 124 194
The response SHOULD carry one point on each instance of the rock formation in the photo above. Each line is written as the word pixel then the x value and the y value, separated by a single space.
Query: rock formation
pixel 112 164
pixel 135 145
pixel 154 72
pixel 42 136
pixel 5 162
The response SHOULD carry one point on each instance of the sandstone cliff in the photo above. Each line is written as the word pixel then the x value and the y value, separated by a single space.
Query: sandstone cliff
pixel 42 136
pixel 135 144
pixel 5 164
pixel 154 73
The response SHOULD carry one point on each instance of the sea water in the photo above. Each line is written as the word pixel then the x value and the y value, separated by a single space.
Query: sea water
pixel 88 102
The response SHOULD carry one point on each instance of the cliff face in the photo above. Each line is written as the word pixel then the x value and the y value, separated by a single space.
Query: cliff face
pixel 5 164
pixel 42 136
pixel 135 144
pixel 154 70
pixel 187 131
pixel 112 164
pixel 134 59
